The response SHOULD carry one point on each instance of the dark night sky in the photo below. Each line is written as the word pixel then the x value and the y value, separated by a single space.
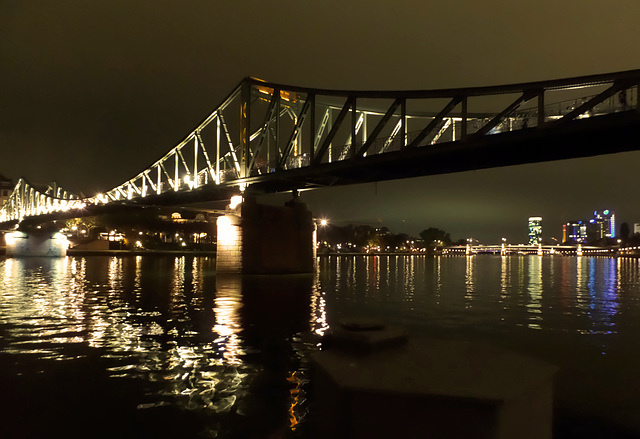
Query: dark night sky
pixel 92 92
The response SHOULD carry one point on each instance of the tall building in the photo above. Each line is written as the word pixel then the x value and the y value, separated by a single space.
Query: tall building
pixel 574 232
pixel 602 225
pixel 6 188
pixel 535 230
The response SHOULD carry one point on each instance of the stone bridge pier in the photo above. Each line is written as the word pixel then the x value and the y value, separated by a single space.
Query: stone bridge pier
pixel 263 239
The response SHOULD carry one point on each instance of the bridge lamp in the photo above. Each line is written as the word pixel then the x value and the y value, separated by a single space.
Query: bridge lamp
pixel 235 201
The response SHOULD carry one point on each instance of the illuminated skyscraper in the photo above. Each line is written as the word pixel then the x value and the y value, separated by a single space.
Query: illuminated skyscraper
pixel 574 232
pixel 535 230
pixel 603 225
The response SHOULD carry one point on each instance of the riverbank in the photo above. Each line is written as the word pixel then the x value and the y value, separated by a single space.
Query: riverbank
pixel 84 252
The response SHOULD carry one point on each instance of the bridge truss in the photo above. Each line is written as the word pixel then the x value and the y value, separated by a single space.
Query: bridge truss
pixel 27 200
pixel 270 137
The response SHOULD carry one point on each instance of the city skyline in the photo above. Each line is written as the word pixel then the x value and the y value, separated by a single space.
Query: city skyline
pixel 92 94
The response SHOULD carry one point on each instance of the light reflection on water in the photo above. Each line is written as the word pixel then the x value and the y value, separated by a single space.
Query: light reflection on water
pixel 228 346
pixel 195 341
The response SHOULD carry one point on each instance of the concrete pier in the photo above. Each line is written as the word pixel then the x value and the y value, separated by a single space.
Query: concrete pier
pixel 262 239
pixel 45 243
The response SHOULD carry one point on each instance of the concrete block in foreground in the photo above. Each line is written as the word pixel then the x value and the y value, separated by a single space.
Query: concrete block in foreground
pixel 430 388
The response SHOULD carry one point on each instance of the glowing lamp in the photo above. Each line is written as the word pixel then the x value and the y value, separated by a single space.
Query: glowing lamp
pixel 235 201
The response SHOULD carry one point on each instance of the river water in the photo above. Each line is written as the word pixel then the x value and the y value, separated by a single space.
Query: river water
pixel 157 346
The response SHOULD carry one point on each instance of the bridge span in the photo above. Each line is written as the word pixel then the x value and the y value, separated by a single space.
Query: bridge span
pixel 266 137
pixel 539 250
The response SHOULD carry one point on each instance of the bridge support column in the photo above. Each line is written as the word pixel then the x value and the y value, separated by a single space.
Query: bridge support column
pixel 36 244
pixel 261 239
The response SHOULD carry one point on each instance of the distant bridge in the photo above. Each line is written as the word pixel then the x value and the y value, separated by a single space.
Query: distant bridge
pixel 266 137
pixel 540 250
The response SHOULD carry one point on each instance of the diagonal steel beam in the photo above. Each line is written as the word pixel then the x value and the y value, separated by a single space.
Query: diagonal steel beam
pixel 203 148
pixel 374 134
pixel 230 144
pixel 265 126
pixel 615 88
pixel 294 134
pixel 184 162
pixel 526 95
pixel 334 130
pixel 151 183
pixel 434 123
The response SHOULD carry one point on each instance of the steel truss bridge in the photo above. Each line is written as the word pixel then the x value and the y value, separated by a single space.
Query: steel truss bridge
pixel 267 137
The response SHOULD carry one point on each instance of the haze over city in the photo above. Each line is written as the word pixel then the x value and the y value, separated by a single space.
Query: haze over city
pixel 93 93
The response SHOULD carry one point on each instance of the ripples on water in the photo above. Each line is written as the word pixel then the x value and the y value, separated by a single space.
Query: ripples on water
pixel 226 351
pixel 162 347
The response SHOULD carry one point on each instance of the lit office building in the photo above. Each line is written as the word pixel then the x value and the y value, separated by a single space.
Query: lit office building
pixel 535 230
pixel 574 232
pixel 603 225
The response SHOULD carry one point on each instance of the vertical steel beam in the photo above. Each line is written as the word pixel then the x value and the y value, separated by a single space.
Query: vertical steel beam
pixel 403 128
pixel 354 132
pixel 541 115
pixel 312 124
pixel 277 151
pixel 364 128
pixel 245 127
pixel 176 181
pixel 218 158
pixel 463 131
pixel 330 122
pixel 195 162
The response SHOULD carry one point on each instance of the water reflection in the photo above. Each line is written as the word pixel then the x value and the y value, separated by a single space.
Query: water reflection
pixel 469 281
pixel 232 351
pixel 534 291
pixel 228 302
pixel 212 345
